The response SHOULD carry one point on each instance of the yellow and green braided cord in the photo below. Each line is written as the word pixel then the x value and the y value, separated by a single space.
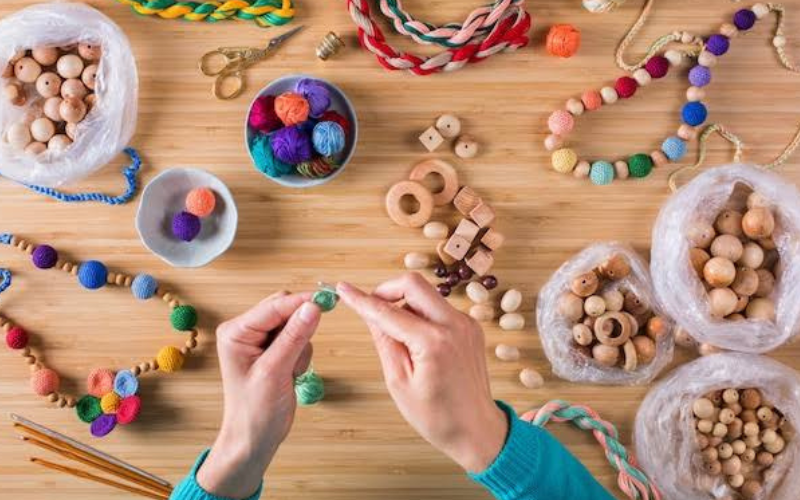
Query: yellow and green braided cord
pixel 264 12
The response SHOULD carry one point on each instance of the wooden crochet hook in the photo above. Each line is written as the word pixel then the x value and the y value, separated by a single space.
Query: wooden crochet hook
pixel 91 477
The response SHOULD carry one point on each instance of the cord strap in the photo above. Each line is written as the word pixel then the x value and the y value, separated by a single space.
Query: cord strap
pixel 264 13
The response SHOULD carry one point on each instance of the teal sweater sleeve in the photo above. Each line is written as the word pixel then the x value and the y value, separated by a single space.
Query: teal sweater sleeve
pixel 188 489
pixel 533 465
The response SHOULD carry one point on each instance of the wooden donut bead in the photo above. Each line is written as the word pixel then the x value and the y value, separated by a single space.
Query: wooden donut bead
pixel 729 222
pixel 73 110
pixel 758 223
pixel 27 70
pixel 719 272
pixel 615 268
pixel 73 88
pixel 605 355
pixel 701 234
pixel 90 51
pixel 447 173
pixel 48 84
pixel 630 357
pixel 69 66
pixel 585 285
pixel 393 204
pixel 612 329
pixel 46 56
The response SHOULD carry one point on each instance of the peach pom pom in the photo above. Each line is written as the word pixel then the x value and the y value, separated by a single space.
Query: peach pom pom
pixel 200 202
pixel 45 381
pixel 291 108
pixel 100 382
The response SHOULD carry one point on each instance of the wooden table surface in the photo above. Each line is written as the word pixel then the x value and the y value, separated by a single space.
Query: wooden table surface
pixel 355 445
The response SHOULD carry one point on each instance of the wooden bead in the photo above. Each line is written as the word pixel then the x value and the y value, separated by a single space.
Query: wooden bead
pixel 466 200
pixel 645 349
pixel 477 293
pixel 729 222
pixel 582 169
pixel 531 378
pixel 738 445
pixel 483 215
pixel 69 66
pixel 727 246
pixel 493 239
pixel 722 302
pixel 435 230
pixel 724 451
pixel 19 135
pixel 466 147
pixel 74 88
pixel 582 335
pixel 553 142
pixel 719 272
pixel 71 402
pixel 48 85
pixel 185 350
pixel 72 110
pixel 766 283
pixel 506 352
pixel 51 108
pixel 695 94
pixel 751 489
pixel 659 158
pixel 395 210
pixel 752 255
pixel 467 230
pixel 482 312
pixel 511 301
pixel 703 408
pixel 707 59
pixel 657 328
pixel 621 169
pixel 719 430
pixel 512 322
pixel 27 70
pixel 457 247
pixel 736 481
pixel 52 397
pixel 713 468
pixel 765 458
pixel 446 259
pixel 136 371
pixel 726 416
pixel 630 357
pixel 687 132
pixel 674 57
pixel 609 95
pixel 730 396
pixel 15 93
pixel 481 261
pixel 746 282
pixel 90 51
pixel 698 259
pixel 46 56
pixel 612 329
pixel 42 129
pixel 761 309
pixel 585 285
pixel 191 343
pixel 614 268
pixel 575 107
pixel 634 305
pixel 570 306
pixel 90 100
pixel 758 223
pixel 416 260
pixel 614 300
pixel 642 77
pixel 594 306
pixel 444 170
pixel 728 30
pixel 605 355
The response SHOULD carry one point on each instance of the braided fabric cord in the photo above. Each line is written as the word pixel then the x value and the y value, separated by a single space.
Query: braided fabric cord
pixel 5 279
pixel 500 27
pixel 631 480
pixel 265 13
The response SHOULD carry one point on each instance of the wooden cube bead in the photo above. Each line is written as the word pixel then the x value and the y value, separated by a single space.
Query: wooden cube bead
pixel 466 200
pixel 457 247
pixel 493 239
pixel 443 256
pixel 483 215
pixel 431 139
pixel 467 230
pixel 481 261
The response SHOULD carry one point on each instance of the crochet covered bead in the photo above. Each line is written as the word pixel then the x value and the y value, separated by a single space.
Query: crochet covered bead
pixel 674 148
pixel 183 318
pixel 129 409
pixel 317 95
pixel 16 338
pixel 170 359
pixel 564 160
pixel 125 384
pixel 744 19
pixel 694 113
pixel 45 381
pixel 309 388
pixel 44 257
pixel 626 87
pixel 592 100
pixel 92 275
pixel 186 226
pixel 602 173
pixel 561 122
pixel 328 138
pixel 100 382
pixel 292 108
pixel 640 165
pixel 110 402
pixel 326 300
pixel 657 66
pixel 699 76
pixel 144 286
pixel 718 44
pixel 201 202
pixel 103 425
pixel 88 408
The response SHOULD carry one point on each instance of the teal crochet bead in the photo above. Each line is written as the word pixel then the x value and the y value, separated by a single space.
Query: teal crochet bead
pixel 309 388
pixel 602 173
pixel 674 148
pixel 183 318
pixel 144 286
pixel 640 165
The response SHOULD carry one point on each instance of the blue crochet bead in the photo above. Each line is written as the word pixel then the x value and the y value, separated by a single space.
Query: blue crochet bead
pixel 144 286
pixel 92 274
pixel 125 384
pixel 674 148
pixel 602 173
pixel 694 113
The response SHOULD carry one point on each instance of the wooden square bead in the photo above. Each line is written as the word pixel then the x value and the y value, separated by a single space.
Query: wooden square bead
pixel 431 139
pixel 483 215
pixel 481 261
pixel 457 247
pixel 493 239
pixel 466 200
pixel 443 256
pixel 467 230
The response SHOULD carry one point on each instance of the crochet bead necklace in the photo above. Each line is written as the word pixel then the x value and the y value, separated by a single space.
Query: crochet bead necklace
pixel 112 397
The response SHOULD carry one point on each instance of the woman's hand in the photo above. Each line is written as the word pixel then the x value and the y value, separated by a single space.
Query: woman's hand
pixel 433 359
pixel 260 353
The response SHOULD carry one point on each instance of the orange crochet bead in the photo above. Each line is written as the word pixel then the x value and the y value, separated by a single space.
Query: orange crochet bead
pixel 109 403
pixel 563 40
pixel 100 382
pixel 592 100
pixel 200 202
pixel 45 381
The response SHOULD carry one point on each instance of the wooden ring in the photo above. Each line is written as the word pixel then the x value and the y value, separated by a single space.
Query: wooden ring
pixel 448 173
pixel 631 358
pixel 400 216
pixel 612 329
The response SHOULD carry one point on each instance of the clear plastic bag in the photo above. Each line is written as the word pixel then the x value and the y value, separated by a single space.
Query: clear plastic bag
pixel 680 290
pixel 110 124
pixel 664 432
pixel 555 331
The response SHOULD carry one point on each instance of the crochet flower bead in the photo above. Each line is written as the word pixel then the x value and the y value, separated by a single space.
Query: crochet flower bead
pixel 100 382
pixel 129 410
pixel 126 384
pixel 602 173
pixel 88 408
pixel 110 402
pixel 103 425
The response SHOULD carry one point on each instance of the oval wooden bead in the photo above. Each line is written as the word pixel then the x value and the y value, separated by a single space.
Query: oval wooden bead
pixel 531 378
pixel 687 132
pixel 477 293
pixel 416 260
pixel 482 312
pixel 511 301
pixel 575 107
pixel 605 355
pixel 512 321
pixel 506 352
pixel 622 170
pixel 582 169
pixel 436 230
pixel 553 142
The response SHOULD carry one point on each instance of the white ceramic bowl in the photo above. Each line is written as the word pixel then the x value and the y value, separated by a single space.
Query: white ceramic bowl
pixel 165 196
pixel 339 103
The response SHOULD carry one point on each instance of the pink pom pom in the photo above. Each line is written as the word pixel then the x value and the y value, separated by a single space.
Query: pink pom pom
pixel 262 115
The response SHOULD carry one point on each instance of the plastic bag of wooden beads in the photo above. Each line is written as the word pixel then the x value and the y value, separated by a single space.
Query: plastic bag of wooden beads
pixel 70 85
pixel 722 427
pixel 724 258
pixel 599 321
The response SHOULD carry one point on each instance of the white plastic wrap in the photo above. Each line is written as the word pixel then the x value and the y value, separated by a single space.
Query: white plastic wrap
pixel 110 124
pixel 664 432
pixel 680 290
pixel 555 331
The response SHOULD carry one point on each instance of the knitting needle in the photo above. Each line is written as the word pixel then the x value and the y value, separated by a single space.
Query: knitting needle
pixel 85 475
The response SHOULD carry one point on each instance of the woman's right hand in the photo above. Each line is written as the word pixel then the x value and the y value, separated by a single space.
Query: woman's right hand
pixel 434 364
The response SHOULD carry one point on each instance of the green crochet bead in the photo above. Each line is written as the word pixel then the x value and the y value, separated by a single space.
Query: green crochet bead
pixel 309 388
pixel 326 299
pixel 640 165
pixel 183 318
pixel 88 408
pixel 602 173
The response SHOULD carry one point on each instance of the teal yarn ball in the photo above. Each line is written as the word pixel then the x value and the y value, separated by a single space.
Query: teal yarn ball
pixel 309 388
pixel 602 173
pixel 640 165
pixel 92 275
pixel 144 286
pixel 674 148
pixel 328 138
pixel 183 318
pixel 265 159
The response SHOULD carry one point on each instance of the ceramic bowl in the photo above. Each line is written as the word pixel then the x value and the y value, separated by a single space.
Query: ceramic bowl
pixel 165 196
pixel 339 103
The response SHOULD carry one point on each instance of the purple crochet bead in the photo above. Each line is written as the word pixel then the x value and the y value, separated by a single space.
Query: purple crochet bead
pixel 185 226
pixel 290 145
pixel 718 44
pixel 102 425
pixel 700 76
pixel 744 19
pixel 44 257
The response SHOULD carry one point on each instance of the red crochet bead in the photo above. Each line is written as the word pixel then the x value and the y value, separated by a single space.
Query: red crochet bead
pixel 626 87
pixel 657 66
pixel 17 338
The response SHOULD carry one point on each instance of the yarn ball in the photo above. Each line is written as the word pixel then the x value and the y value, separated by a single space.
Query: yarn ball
pixel 718 44
pixel 186 226
pixel 126 384
pixel 45 381
pixel 92 274
pixel 592 100
pixel 110 402
pixel 700 76
pixel 100 382
pixel 333 116
pixel 183 318
pixel 317 95
pixel 201 202
pixel 602 173
pixel 290 145
pixel 317 168
pixel 263 117
pixel 44 257
pixel 563 40
pixel 88 408
pixel 694 113
pixel 674 148
pixel 170 359
pixel 103 425
pixel 564 160
pixel 144 286
pixel 561 122
pixel 291 108
pixel 744 19
pixel 265 160
pixel 129 409
pixel 626 87
pixel 16 338
pixel 657 66
pixel 328 138
pixel 309 388
pixel 640 165
pixel 599 6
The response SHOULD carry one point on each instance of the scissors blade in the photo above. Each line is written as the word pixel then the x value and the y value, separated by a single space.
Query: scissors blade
pixel 278 40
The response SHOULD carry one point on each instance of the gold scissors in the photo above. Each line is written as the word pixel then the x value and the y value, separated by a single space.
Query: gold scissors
pixel 229 63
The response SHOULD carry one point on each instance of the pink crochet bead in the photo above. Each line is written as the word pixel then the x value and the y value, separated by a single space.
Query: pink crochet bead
pixel 45 381
pixel 561 122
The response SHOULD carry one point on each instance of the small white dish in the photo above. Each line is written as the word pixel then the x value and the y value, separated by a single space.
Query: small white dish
pixel 165 196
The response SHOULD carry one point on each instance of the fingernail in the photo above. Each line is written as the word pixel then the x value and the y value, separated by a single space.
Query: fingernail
pixel 308 312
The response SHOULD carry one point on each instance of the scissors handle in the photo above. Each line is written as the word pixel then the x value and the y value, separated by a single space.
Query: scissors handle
pixel 233 81
pixel 230 59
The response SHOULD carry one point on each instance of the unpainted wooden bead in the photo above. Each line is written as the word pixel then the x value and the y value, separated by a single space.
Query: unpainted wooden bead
pixel 753 441
pixel 511 301
pixel 726 416
pixel 657 328
pixel 466 147
pixel 768 436
pixel 752 255
pixel 571 306
pixel 729 30
pixel 713 468
pixel 751 489
pixel 553 142
pixel 72 110
pixel 42 129
pixel 738 447
pixel 727 246
pixel 767 243
pixel 719 272
pixel 506 352
pixel 757 200
pixel 751 429
pixel 73 88
pixel 46 56
pixel 512 321
pixel 722 302
pixel 702 441
pixel 758 223
pixel 746 282
pixel 582 334
pixel 90 51
pixel 705 426
pixel 615 268
pixel 416 260
pixel 435 230
pixel 15 93
pixel 605 355
pixel 761 309
pixel 71 129
pixel 725 451
pixel 729 222
pixel 683 339
pixel 701 234
pixel 707 59
pixel 58 144
pixel 18 135
pixel 736 408
pixel 634 305
pixel 694 94
pixel 687 132
pixel 575 107
pixel 698 258
pixel 585 285
pixel 89 76
pixel 531 378
pixel 27 70
pixel 51 108
pixel 736 480
pixel 69 66
pixel 645 349
pixel 614 300
pixel 730 396
pixel 482 312
pixel 732 466
pixel 765 458
pixel 748 415
pixel 582 170
pixel 621 169
pixel 90 101
pixel 710 454
pixel 477 293
pixel 594 306
pixel 719 430
pixel 766 283
pixel 642 77
pixel 35 148
pixel 48 84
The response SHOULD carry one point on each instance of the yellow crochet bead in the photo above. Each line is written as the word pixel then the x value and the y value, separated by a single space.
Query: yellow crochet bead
pixel 170 359
pixel 564 160
pixel 110 403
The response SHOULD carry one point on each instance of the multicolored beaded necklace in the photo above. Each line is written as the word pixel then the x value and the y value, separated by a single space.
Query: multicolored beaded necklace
pixel 112 397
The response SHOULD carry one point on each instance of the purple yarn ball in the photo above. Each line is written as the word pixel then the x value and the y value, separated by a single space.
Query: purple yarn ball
pixel 744 19
pixel 102 425
pixel 718 44
pixel 291 145
pixel 700 76
pixel 185 226
pixel 44 257
pixel 317 95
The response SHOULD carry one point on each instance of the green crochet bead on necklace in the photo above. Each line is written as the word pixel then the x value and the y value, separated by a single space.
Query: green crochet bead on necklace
pixel 88 408
pixel 602 173
pixel 640 165
pixel 326 298
pixel 309 388
pixel 183 318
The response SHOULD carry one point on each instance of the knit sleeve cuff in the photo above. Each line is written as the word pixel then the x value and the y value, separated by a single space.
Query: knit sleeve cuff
pixel 509 476
pixel 189 489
